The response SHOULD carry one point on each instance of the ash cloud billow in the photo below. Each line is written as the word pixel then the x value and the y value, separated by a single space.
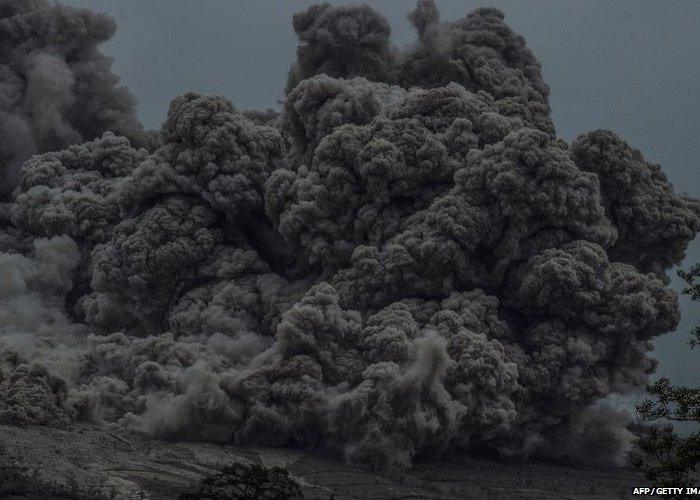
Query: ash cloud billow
pixel 405 263
pixel 56 88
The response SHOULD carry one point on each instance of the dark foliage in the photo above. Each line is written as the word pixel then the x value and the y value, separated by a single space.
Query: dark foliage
pixel 667 458
pixel 247 482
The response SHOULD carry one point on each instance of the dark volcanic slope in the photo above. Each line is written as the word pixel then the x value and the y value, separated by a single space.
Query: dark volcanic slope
pixel 85 460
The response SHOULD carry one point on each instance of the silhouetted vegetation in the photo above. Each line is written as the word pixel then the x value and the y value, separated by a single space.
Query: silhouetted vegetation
pixel 667 458
pixel 247 482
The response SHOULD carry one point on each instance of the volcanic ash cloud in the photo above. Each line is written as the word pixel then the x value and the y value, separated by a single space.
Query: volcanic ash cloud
pixel 56 88
pixel 405 262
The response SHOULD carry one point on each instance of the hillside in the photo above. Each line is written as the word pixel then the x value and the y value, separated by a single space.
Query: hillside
pixel 87 462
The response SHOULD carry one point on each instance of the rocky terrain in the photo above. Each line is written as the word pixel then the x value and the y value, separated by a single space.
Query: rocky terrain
pixel 85 461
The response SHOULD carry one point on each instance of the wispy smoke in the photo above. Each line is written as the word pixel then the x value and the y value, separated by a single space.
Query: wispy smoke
pixel 406 262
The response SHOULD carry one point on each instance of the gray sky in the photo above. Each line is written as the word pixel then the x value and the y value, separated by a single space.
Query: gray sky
pixel 632 66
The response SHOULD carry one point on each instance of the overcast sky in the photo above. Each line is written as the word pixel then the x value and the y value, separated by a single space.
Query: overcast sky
pixel 631 66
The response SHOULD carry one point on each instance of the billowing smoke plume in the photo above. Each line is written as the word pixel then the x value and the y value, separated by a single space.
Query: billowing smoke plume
pixel 406 262
pixel 56 88
pixel 479 52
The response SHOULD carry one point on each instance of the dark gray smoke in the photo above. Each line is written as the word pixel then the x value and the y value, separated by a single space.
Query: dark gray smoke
pixel 342 42
pixel 479 52
pixel 405 263
pixel 56 88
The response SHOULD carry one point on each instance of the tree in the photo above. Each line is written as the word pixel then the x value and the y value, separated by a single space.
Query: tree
pixel 247 482
pixel 667 458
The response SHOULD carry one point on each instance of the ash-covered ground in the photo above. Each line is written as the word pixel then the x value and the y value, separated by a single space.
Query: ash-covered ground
pixel 88 463
pixel 404 264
